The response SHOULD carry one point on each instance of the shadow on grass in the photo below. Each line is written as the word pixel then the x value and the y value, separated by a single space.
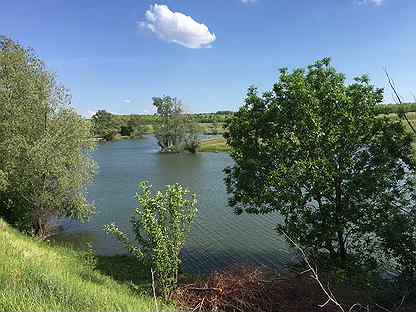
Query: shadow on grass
pixel 126 269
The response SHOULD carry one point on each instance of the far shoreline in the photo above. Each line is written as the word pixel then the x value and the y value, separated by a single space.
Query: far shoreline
pixel 211 145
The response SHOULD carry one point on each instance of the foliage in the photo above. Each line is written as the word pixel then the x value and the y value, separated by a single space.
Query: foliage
pixel 161 224
pixel 40 276
pixel 3 180
pixel 43 145
pixel 110 135
pixel 153 119
pixel 218 117
pixel 108 126
pixel 126 130
pixel 191 137
pixel 314 150
pixel 208 123
pixel 104 125
pixel 176 130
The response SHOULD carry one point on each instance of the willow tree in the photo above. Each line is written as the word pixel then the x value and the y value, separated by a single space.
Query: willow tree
pixel 314 150
pixel 44 166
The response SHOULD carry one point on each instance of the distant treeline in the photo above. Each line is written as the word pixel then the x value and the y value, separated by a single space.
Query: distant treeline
pixel 110 126
pixel 220 116
pixel 396 108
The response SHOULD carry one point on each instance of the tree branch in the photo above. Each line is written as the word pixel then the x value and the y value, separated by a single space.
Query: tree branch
pixel 391 83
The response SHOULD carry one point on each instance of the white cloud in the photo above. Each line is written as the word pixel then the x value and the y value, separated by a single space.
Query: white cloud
pixel 127 101
pixel 248 1
pixel 177 27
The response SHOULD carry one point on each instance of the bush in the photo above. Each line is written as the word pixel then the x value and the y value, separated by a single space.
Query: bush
pixel 126 130
pixel 161 224
pixel 111 135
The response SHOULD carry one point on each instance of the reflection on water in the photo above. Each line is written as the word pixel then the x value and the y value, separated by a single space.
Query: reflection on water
pixel 219 238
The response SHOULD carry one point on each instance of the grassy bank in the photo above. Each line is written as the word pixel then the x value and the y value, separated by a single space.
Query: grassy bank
pixel 37 276
pixel 214 145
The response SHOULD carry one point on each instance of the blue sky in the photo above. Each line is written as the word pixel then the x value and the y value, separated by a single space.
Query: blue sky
pixel 113 55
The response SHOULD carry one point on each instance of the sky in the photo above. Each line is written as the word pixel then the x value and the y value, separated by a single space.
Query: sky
pixel 117 55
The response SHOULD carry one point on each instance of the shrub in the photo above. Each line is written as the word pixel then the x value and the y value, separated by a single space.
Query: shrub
pixel 126 130
pixel 110 135
pixel 160 224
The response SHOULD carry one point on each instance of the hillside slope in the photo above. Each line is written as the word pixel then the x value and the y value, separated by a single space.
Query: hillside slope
pixel 35 276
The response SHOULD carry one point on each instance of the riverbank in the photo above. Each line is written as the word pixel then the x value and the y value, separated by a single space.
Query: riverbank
pixel 39 276
pixel 217 145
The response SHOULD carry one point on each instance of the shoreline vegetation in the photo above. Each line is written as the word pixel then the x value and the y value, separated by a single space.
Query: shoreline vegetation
pixel 219 145
pixel 215 145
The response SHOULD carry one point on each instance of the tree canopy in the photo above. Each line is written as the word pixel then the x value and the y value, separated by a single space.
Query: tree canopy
pixel 44 166
pixel 314 150
pixel 103 124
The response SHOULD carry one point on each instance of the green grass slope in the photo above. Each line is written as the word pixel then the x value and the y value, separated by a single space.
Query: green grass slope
pixel 36 276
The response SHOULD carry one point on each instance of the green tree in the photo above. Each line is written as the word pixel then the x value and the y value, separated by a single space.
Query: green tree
pixel 126 130
pixel 43 144
pixel 176 130
pixel 104 125
pixel 191 137
pixel 160 224
pixel 314 150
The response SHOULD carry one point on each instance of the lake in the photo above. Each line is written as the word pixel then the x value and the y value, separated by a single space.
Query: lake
pixel 219 238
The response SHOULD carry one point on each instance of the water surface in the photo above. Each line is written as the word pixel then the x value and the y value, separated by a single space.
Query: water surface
pixel 219 238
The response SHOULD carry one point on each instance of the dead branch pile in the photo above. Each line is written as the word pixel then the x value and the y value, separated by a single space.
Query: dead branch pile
pixel 251 289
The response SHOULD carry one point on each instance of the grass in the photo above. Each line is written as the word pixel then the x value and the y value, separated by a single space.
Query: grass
pixel 214 145
pixel 38 276
pixel 220 144
pixel 212 128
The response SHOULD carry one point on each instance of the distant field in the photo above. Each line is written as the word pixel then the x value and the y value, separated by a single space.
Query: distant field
pixel 214 145
pixel 396 108
pixel 211 128
pixel 411 116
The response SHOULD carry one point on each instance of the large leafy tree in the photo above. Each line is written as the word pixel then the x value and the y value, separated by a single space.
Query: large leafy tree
pixel 44 167
pixel 314 150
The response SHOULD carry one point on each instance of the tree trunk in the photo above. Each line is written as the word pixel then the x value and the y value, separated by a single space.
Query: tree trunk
pixel 338 213
pixel 328 242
